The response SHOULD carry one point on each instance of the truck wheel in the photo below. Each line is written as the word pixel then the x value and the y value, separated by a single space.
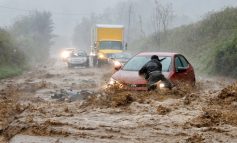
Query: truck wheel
pixel 87 64
pixel 99 63
pixel 94 61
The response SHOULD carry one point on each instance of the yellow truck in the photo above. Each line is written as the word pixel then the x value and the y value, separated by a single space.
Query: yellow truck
pixel 107 40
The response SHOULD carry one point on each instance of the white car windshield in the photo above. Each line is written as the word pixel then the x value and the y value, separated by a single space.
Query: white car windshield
pixel 136 63
pixel 78 54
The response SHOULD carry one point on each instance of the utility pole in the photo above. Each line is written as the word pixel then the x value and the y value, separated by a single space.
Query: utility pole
pixel 141 27
pixel 129 20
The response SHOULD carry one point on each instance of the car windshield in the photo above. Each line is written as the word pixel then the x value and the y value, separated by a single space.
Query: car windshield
pixel 115 45
pixel 136 63
pixel 121 56
pixel 78 54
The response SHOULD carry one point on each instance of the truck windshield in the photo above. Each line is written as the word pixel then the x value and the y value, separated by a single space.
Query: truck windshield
pixel 115 45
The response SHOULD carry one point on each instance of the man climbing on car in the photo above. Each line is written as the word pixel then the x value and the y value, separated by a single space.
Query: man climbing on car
pixel 152 72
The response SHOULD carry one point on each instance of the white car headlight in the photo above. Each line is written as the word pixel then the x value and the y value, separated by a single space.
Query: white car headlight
pixel 117 63
pixel 112 81
pixel 115 83
pixel 162 85
pixel 65 54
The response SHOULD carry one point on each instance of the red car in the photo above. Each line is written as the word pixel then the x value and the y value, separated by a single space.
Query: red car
pixel 175 67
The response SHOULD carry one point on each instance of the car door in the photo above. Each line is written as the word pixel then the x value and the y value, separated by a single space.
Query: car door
pixel 183 70
pixel 189 72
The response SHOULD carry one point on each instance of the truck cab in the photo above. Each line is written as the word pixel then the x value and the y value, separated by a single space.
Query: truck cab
pixel 108 40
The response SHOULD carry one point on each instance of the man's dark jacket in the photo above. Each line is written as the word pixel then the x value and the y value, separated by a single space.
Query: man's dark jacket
pixel 149 67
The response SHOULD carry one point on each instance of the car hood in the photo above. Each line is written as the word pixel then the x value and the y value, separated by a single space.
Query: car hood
pixel 131 77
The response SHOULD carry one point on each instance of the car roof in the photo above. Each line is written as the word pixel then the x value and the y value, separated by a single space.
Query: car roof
pixel 156 53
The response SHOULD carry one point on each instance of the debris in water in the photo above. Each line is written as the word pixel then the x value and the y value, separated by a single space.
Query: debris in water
pixel 72 95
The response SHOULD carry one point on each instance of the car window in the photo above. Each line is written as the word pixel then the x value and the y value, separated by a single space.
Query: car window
pixel 178 63
pixel 166 64
pixel 137 62
pixel 184 61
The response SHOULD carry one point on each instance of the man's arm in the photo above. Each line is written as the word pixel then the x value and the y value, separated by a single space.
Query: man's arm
pixel 162 59
pixel 143 70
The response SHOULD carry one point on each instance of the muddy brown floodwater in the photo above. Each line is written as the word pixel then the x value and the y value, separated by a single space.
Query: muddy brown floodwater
pixel 29 114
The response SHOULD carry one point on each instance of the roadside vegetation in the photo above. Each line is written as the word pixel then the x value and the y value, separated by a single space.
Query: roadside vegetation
pixel 210 44
pixel 25 43
pixel 12 60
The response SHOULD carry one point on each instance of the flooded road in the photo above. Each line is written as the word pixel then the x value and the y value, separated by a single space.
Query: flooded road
pixel 60 105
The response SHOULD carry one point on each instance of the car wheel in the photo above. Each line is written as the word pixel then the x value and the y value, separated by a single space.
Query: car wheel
pixel 193 83
pixel 70 66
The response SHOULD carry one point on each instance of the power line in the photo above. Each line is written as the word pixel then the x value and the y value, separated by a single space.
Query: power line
pixel 54 13
pixel 16 9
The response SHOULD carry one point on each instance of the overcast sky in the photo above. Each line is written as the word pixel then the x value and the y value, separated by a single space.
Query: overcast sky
pixel 62 9
pixel 68 13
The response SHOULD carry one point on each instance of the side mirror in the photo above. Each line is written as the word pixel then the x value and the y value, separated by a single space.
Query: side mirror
pixel 181 69
pixel 117 65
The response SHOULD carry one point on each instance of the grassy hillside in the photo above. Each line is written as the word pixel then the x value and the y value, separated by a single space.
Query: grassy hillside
pixel 205 43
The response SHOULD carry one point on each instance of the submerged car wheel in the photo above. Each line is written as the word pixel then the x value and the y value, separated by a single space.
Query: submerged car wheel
pixel 193 83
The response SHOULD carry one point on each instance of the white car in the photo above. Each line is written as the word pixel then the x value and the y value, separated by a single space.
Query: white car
pixel 78 58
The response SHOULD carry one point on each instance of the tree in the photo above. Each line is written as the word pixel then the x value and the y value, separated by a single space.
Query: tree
pixel 166 17
pixel 9 53
pixel 156 19
pixel 143 34
pixel 82 33
pixel 161 19
pixel 33 34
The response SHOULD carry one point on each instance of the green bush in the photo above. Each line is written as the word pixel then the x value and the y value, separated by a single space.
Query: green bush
pixel 12 59
pixel 33 34
pixel 26 42
pixel 226 59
